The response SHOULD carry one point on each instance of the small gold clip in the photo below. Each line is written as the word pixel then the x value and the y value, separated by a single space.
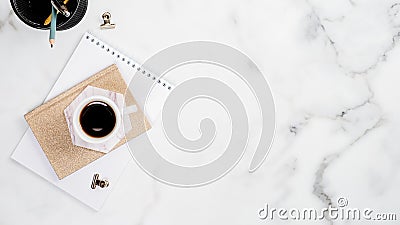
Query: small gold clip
pixel 97 182
pixel 107 21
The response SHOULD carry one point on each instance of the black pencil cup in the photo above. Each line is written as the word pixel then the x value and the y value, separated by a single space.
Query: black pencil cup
pixel 35 12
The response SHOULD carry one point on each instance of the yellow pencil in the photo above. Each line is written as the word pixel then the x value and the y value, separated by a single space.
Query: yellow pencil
pixel 48 20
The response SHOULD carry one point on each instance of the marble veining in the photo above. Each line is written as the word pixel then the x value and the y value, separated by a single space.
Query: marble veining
pixel 8 20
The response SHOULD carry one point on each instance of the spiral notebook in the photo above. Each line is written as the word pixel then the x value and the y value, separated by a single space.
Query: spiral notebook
pixel 91 56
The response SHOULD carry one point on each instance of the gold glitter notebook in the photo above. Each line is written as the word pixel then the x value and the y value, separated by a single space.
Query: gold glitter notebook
pixel 50 128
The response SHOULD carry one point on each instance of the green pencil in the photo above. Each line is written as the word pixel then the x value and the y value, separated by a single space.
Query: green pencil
pixel 52 37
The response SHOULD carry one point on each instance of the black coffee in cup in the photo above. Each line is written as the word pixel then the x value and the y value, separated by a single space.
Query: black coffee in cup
pixel 97 119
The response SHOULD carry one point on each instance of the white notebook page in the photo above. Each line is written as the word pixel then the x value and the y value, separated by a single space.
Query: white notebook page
pixel 91 56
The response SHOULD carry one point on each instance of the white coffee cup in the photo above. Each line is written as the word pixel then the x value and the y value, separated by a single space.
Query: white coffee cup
pixel 77 125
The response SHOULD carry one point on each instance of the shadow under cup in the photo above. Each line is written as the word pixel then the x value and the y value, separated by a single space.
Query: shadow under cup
pixel 35 12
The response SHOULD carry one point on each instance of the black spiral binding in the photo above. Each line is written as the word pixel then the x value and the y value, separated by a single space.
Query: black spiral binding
pixel 128 61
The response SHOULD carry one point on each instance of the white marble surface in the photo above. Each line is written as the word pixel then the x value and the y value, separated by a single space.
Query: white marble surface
pixel 333 68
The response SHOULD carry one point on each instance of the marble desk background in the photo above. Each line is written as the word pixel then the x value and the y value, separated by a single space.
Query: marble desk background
pixel 334 70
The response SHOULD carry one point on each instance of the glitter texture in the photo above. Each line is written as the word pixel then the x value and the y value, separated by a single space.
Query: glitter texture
pixel 51 130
